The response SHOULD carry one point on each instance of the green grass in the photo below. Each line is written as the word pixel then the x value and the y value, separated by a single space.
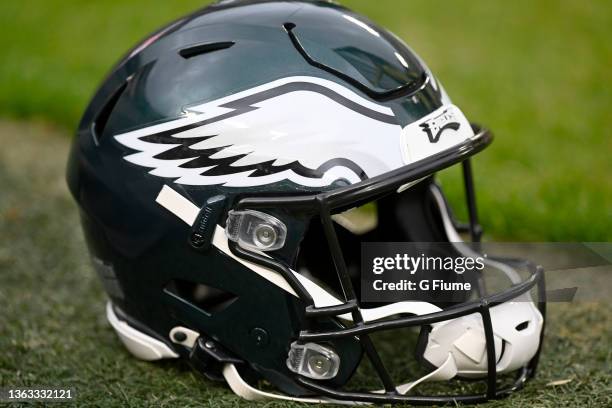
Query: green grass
pixel 536 73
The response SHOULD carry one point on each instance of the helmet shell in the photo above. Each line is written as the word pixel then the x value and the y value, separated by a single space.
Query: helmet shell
pixel 140 249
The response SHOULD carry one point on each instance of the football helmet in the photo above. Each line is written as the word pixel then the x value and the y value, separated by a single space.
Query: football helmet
pixel 214 170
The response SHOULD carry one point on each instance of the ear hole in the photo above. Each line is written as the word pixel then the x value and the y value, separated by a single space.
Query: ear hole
pixel 522 326
pixel 207 298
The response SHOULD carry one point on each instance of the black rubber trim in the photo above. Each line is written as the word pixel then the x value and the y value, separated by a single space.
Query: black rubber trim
pixel 402 91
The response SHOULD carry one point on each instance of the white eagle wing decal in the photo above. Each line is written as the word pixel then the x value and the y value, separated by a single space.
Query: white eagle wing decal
pixel 307 130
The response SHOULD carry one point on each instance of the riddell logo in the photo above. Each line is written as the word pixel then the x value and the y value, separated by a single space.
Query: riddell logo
pixel 435 126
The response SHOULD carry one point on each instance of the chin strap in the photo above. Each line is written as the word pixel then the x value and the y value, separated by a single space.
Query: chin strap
pixel 445 372
pixel 244 390
pixel 241 388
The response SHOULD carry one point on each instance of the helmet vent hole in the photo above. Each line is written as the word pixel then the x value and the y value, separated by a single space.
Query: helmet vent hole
pixel 102 119
pixel 200 49
pixel 289 26
pixel 522 326
pixel 207 298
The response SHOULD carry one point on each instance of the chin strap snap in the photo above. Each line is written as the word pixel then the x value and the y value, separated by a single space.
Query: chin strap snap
pixel 209 358
pixel 205 355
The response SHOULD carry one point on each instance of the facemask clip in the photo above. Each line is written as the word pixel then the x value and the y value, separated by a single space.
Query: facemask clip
pixel 255 230
pixel 313 361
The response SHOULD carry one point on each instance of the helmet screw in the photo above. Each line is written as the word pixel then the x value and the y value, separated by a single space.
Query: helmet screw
pixel 260 336
pixel 197 239
pixel 209 345
pixel 265 236
pixel 319 364
pixel 179 336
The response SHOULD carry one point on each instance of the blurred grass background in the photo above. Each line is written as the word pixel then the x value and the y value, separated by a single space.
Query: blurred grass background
pixel 536 73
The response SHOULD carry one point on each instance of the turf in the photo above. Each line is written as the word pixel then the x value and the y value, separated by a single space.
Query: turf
pixel 53 330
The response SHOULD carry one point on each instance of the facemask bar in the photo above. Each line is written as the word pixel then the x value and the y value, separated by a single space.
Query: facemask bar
pixel 355 195
pixel 474 227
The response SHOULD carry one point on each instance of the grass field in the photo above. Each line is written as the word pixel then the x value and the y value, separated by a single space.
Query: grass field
pixel 536 73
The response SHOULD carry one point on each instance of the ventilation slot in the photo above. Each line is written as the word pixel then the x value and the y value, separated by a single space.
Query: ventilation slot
pixel 102 119
pixel 522 326
pixel 207 298
pixel 199 49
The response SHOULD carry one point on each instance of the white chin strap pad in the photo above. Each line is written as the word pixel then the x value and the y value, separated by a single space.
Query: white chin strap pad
pixel 516 331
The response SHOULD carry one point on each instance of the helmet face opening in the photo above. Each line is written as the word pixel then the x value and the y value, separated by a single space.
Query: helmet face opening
pixel 219 207
pixel 408 216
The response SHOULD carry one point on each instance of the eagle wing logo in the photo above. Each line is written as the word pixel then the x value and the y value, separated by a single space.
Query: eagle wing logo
pixel 307 130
